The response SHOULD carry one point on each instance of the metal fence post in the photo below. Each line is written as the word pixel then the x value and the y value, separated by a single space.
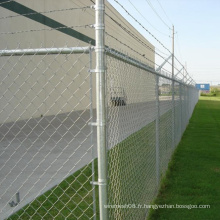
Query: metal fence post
pixel 173 95
pixel 100 108
pixel 157 132
pixel 188 104
pixel 173 113
pixel 181 111
pixel 92 141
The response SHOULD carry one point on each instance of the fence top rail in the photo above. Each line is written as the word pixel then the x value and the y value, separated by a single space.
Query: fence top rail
pixel 46 51
pixel 78 50
pixel 116 54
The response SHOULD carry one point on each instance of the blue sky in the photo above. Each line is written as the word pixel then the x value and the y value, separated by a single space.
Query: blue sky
pixel 197 23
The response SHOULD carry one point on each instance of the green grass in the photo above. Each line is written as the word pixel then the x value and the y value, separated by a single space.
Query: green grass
pixel 210 98
pixel 73 198
pixel 193 176
pixel 131 179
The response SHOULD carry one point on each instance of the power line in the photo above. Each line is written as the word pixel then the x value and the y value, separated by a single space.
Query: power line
pixel 118 18
pixel 164 12
pixel 141 25
pixel 138 39
pixel 142 55
pixel 129 32
pixel 178 45
pixel 135 37
pixel 162 52
pixel 149 3
pixel 146 19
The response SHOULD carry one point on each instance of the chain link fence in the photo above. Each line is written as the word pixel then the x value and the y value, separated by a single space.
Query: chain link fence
pixel 131 138
pixel 51 118
pixel 146 118
pixel 47 105
pixel 47 145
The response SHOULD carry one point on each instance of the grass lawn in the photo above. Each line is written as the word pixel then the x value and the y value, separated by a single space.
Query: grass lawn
pixel 193 176
pixel 73 197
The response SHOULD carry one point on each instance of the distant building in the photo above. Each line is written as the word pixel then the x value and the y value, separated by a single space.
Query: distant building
pixel 205 87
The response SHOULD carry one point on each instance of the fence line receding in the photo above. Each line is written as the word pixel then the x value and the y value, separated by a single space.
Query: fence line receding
pixel 85 121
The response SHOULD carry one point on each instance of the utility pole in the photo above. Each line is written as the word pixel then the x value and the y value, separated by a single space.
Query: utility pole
pixel 173 53
pixel 173 95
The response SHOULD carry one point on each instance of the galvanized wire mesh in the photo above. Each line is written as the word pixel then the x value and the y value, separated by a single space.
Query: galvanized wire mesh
pixel 48 115
pixel 47 155
pixel 131 138
pixel 46 140
pixel 177 112
pixel 146 118
pixel 165 122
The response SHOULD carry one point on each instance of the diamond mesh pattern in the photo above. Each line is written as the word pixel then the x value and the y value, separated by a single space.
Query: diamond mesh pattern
pixel 46 139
